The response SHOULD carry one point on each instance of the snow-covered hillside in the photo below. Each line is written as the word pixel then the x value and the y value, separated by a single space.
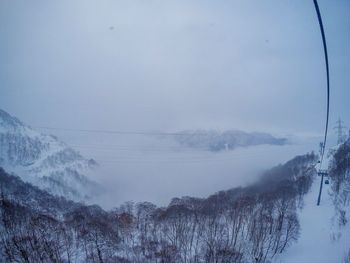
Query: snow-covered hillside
pixel 43 160
pixel 225 140
pixel 325 229
pixel 321 240
pixel 241 225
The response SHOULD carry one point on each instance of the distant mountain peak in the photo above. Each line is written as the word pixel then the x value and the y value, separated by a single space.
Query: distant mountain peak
pixel 216 140
pixel 9 122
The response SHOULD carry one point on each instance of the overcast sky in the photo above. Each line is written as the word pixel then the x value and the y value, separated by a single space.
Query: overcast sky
pixel 177 64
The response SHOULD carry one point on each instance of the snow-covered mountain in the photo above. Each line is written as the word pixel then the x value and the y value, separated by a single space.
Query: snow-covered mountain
pixel 225 140
pixel 244 224
pixel 43 160
pixel 325 229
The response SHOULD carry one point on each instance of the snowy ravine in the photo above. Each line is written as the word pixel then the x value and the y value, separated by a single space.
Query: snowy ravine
pixel 43 160
pixel 319 239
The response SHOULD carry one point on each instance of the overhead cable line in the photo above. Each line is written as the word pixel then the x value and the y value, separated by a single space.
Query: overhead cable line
pixel 323 146
pixel 113 131
pixel 327 72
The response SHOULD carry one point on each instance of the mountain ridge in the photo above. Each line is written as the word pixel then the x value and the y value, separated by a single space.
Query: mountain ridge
pixel 43 160
pixel 215 140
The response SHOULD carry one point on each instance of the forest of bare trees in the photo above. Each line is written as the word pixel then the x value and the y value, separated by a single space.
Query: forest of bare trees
pixel 339 173
pixel 250 224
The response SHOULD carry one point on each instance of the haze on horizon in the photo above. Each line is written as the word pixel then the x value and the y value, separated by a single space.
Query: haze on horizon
pixel 172 65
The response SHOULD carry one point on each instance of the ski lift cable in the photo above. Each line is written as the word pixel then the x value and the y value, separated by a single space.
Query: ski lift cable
pixel 111 131
pixel 328 91
pixel 327 71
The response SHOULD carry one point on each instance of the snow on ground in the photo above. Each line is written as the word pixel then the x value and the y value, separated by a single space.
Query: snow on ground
pixel 315 243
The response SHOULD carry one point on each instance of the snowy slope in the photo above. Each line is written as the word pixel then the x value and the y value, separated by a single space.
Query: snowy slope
pixel 43 160
pixel 320 239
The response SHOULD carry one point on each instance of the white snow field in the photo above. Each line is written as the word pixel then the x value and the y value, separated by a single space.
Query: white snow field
pixel 320 239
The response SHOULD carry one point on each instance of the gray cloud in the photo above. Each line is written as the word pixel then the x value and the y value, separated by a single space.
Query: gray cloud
pixel 172 64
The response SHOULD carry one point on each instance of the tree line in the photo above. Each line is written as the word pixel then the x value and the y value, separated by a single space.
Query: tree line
pixel 244 224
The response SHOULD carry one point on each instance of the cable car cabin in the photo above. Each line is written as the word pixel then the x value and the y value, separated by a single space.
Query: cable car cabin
pixel 326 182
